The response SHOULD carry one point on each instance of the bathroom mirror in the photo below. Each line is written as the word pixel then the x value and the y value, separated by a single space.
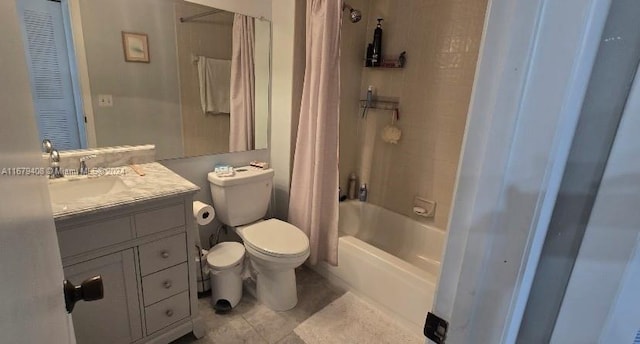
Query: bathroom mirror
pixel 191 79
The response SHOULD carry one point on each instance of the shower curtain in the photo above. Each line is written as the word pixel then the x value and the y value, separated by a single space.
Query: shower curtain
pixel 313 204
pixel 242 95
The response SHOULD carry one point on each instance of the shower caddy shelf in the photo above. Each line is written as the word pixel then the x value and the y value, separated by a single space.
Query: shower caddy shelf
pixel 381 104
pixel 388 63
pixel 384 67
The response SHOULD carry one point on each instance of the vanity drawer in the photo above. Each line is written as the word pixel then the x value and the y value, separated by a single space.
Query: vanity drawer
pixel 161 254
pixel 167 312
pixel 165 283
pixel 84 238
pixel 159 220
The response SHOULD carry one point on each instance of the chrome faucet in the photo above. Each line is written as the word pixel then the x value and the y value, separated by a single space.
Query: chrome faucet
pixel 83 170
pixel 54 159
pixel 47 146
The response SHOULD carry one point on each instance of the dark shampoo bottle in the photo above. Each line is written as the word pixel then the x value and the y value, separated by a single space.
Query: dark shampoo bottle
pixel 376 58
pixel 369 62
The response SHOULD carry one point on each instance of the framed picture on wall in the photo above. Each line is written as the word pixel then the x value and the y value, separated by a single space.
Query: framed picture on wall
pixel 136 47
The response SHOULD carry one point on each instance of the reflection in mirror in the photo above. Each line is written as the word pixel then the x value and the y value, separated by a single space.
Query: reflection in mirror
pixel 191 79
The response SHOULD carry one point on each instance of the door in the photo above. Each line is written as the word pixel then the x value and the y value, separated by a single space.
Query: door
pixel 116 318
pixel 50 70
pixel 529 88
pixel 32 308
pixel 601 300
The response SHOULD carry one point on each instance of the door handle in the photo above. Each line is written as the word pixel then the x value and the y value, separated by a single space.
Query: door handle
pixel 91 289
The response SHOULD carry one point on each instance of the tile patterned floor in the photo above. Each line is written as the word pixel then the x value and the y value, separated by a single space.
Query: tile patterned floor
pixel 252 322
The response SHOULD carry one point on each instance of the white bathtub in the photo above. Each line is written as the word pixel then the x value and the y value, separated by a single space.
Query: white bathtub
pixel 389 259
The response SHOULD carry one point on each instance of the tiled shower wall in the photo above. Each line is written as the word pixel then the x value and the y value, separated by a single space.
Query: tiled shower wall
pixel 442 39
pixel 352 49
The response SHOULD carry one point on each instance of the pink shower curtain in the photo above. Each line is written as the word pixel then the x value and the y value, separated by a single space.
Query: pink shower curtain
pixel 242 114
pixel 313 206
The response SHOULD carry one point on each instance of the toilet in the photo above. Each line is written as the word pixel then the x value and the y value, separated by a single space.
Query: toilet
pixel 275 248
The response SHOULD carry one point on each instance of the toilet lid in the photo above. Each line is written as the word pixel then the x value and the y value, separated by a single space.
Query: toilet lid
pixel 276 238
pixel 225 255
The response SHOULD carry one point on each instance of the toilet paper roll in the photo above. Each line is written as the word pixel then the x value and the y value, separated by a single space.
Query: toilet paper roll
pixel 203 213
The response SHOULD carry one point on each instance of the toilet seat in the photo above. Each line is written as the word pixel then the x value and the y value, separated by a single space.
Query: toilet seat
pixel 276 238
pixel 225 255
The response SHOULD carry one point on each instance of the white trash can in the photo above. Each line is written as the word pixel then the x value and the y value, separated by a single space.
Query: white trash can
pixel 225 261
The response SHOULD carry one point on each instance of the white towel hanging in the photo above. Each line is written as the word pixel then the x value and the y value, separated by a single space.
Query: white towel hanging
pixel 214 77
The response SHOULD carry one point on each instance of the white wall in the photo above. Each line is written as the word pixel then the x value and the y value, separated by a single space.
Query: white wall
pixel 286 92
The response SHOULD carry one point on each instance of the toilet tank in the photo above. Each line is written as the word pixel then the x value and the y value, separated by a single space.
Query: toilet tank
pixel 242 198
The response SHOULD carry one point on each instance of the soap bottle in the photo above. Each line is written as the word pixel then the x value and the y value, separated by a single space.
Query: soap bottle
pixel 368 62
pixel 376 57
pixel 362 196
pixel 353 182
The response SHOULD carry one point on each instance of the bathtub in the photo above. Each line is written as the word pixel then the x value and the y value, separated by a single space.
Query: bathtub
pixel 388 259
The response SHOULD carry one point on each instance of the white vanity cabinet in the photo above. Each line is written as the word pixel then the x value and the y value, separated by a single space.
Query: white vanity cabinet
pixel 142 252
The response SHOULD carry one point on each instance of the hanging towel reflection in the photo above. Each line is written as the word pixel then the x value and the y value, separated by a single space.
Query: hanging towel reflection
pixel 214 76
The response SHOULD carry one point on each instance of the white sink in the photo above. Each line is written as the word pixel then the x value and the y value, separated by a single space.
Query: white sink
pixel 63 191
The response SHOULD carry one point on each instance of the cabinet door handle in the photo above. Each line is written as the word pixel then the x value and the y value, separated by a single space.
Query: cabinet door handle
pixel 91 289
pixel 164 254
pixel 167 284
pixel 169 313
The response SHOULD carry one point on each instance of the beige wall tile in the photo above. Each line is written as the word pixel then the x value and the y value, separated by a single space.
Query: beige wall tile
pixel 351 62
pixel 442 39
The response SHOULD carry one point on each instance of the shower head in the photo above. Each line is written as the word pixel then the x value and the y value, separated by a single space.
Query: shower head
pixel 354 15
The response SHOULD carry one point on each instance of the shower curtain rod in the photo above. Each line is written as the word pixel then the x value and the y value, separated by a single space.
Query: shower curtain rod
pixel 195 16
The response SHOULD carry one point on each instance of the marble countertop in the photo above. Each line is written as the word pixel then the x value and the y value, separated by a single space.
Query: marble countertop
pixel 157 183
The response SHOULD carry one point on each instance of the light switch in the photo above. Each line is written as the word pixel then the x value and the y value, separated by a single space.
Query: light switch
pixel 105 100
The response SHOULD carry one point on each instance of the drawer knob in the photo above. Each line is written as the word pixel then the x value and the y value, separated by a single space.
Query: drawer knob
pixel 164 254
pixel 167 284
pixel 169 313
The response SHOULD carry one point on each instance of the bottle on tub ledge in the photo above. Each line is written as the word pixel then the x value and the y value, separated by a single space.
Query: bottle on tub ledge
pixel 352 190
pixel 362 195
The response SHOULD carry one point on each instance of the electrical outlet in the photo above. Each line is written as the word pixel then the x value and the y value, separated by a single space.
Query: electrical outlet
pixel 105 100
